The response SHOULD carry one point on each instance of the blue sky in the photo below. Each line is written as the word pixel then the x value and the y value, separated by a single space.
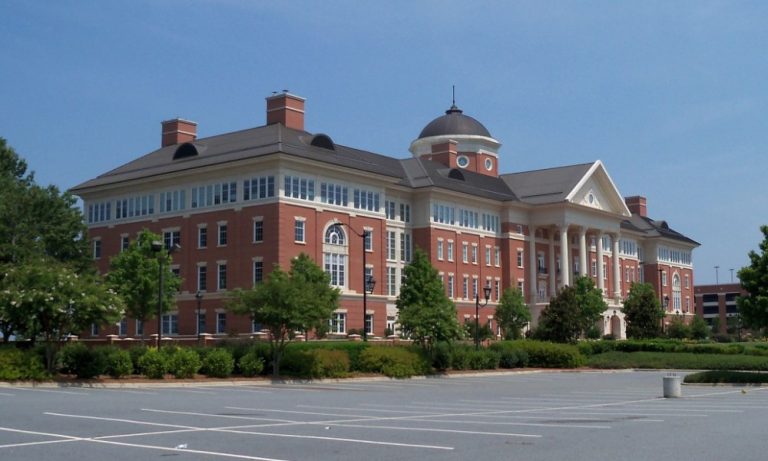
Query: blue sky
pixel 671 96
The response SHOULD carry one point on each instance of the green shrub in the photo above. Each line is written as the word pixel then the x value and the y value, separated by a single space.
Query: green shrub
pixel 395 362
pixel 118 362
pixel 512 358
pixel 460 356
pixel 351 348
pixel 548 355
pixel 16 364
pixel 251 364
pixel 82 361
pixel 153 364
pixel 136 352
pixel 298 362
pixel 332 363
pixel 484 359
pixel 441 356
pixel 218 363
pixel 678 360
pixel 723 376
pixel 184 363
pixel 597 347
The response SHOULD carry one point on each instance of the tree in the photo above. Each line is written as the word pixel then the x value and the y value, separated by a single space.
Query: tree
pixel 677 329
pixel 425 313
pixel 559 321
pixel 698 328
pixel 134 274
pixel 49 300
pixel 512 314
pixel 753 309
pixel 643 312
pixel 286 302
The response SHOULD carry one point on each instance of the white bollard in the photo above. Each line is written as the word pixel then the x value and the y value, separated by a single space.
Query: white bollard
pixel 672 386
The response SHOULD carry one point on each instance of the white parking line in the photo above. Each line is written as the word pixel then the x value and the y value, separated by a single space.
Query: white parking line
pixel 185 450
pixel 428 429
pixel 118 420
pixel 190 413
pixel 35 389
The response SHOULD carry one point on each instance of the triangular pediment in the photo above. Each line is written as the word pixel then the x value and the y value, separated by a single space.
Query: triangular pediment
pixel 597 190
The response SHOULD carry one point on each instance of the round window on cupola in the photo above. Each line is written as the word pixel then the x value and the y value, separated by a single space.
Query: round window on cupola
pixel 462 161
pixel 489 164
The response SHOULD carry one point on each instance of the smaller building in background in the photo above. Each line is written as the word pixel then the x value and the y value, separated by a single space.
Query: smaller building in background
pixel 717 305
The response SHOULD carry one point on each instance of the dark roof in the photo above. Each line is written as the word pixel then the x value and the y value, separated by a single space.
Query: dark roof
pixel 551 185
pixel 454 122
pixel 653 228
pixel 422 173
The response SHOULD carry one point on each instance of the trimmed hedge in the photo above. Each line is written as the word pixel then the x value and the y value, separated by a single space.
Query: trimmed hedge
pixel 153 364
pixel 725 376
pixel 395 362
pixel 678 360
pixel 183 363
pixel 251 364
pixel 119 362
pixel 218 363
pixel 544 354
pixel 82 361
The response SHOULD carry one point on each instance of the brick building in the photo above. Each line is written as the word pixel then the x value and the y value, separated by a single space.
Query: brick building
pixel 717 305
pixel 239 202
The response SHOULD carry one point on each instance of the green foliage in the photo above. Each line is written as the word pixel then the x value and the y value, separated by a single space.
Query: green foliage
pixel 545 354
pixel 82 361
pixel 298 300
pixel 677 329
pixel 183 363
pixel 425 313
pixel 395 362
pixel 133 274
pixel 17 365
pixel 441 356
pixel 153 364
pixel 218 363
pixel 251 364
pixel 678 360
pixel 512 313
pixel 119 362
pixel 597 347
pixel 465 357
pixel 484 330
pixel 572 312
pixel 316 363
pixel 643 312
pixel 698 329
pixel 725 376
pixel 753 309
pixel 136 353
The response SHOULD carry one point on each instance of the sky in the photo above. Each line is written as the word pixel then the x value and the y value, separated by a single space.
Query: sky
pixel 670 96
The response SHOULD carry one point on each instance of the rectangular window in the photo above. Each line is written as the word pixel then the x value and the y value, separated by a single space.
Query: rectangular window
pixel 301 188
pixel 450 288
pixel 222 277
pixel 366 200
pixel 202 273
pixel 391 245
pixel 221 323
pixel 687 281
pixel 474 254
pixel 122 327
pixel 259 188
pixel 170 324
pixel 335 265
pixel 333 194
pixel 450 250
pixel 465 288
pixel 202 237
pixel 594 268
pixel 258 231
pixel 94 329
pixel 474 288
pixel 520 258
pixel 389 209
pixel 368 240
pixel 201 323
pixel 96 249
pixel 496 256
pixel 439 249
pixel 487 256
pixel 392 281
pixel 369 324
pixel 405 212
pixel 258 272
pixel 405 247
pixel 497 289
pixel 465 253
pixel 222 235
pixel 664 278
pixel 171 238
pixel 125 243
pixel 298 231
pixel 139 328
pixel 338 323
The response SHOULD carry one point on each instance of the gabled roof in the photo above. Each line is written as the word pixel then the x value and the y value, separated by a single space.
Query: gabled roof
pixel 653 228
pixel 551 185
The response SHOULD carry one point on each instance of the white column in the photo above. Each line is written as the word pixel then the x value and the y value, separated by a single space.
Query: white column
pixel 564 263
pixel 600 274
pixel 552 265
pixel 616 268
pixel 532 263
pixel 583 252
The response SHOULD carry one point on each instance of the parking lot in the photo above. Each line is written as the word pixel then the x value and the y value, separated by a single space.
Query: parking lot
pixel 531 416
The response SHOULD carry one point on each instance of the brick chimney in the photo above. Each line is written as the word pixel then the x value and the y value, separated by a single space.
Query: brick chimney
pixel 177 131
pixel 636 205
pixel 286 108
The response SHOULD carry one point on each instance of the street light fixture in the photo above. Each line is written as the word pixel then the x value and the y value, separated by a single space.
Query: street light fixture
pixel 487 293
pixel 157 248
pixel 369 283
pixel 199 298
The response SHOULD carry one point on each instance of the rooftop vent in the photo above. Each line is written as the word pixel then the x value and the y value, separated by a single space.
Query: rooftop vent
pixel 323 141
pixel 455 173
pixel 185 150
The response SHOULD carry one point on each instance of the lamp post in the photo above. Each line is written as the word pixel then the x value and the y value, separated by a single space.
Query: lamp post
pixel 487 293
pixel 199 298
pixel 157 247
pixel 661 300
pixel 369 283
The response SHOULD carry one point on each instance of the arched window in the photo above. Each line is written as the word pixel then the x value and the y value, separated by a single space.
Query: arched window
pixel 676 298
pixel 335 255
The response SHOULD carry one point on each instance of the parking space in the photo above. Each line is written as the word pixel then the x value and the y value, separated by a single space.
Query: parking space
pixel 532 416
